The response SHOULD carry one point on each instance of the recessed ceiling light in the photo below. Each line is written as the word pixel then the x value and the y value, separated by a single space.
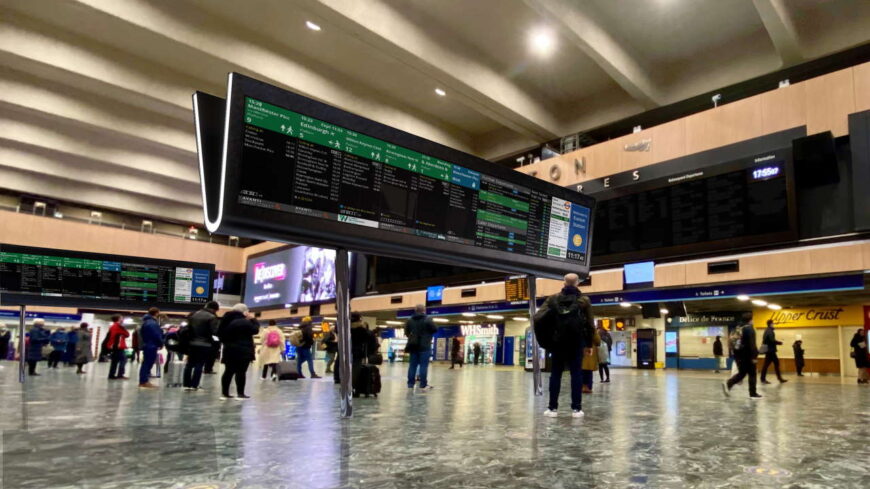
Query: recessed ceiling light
pixel 494 316
pixel 312 25
pixel 743 297
pixel 330 319
pixel 775 307
pixel 625 304
pixel 440 92
pixel 466 322
pixel 542 41
pixel 664 311
pixel 441 320
pixel 469 314
pixel 521 318
pixel 759 302
pixel 397 323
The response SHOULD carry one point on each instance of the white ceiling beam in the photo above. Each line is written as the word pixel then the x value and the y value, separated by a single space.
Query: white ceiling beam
pixel 465 78
pixel 594 40
pixel 778 23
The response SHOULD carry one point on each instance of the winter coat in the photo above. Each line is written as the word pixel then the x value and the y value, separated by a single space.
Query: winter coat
pixel 769 339
pixel 590 362
pixel 203 324
pixel 83 347
pixel 58 340
pixel 603 353
pixel 331 342
pixel 119 334
pixel 718 351
pixel 307 336
pixel 271 354
pixel 152 335
pixel 861 360
pixel 362 342
pixel 236 333
pixel 419 329
pixel 39 337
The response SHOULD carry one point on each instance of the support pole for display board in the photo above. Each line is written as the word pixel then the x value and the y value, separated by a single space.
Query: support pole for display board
pixel 22 310
pixel 536 357
pixel 342 305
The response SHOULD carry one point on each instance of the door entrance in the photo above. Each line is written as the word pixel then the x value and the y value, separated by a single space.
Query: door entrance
pixel 646 348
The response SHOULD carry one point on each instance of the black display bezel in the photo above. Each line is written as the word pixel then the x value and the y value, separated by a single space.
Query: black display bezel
pixel 262 223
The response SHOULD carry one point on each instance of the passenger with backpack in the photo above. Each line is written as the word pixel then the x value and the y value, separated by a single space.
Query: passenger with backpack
pixel 303 349
pixel 151 341
pixel 197 340
pixel 565 328
pixel 419 330
pixel 271 349
pixel 745 351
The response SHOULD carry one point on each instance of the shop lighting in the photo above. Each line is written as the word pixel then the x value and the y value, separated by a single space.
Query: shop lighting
pixel 542 41
pixel 395 323
pixel 467 322
pixel 441 320
pixel 625 304
pixel 312 25
pixel 759 302
pixel 128 321
pixel 440 92
pixel 742 297
pixel 494 316
pixel 330 319
pixel 664 311
pixel 521 318
pixel 774 307
pixel 469 314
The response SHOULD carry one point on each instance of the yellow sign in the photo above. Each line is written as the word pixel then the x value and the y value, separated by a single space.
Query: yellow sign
pixel 810 316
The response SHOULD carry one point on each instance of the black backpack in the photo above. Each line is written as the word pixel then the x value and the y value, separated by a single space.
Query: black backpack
pixel 560 322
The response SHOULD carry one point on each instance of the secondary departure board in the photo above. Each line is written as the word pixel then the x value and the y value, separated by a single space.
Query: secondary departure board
pixel 516 289
pixel 43 276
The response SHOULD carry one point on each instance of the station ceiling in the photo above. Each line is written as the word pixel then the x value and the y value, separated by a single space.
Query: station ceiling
pixel 95 94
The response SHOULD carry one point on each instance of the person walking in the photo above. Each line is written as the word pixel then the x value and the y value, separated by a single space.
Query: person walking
pixel 116 342
pixel 39 337
pixel 5 338
pixel 272 349
pixel 330 339
pixel 58 341
pixel 137 348
pixel 476 352
pixel 565 327
pixel 745 351
pixel 83 353
pixel 151 341
pixel 303 351
pixel 419 330
pixel 859 353
pixel 202 326
pixel 455 352
pixel 236 331
pixel 768 347
pixel 69 356
pixel 718 352
pixel 603 362
pixel 798 348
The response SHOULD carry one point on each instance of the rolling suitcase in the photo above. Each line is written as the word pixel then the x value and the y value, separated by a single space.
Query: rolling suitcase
pixel 174 372
pixel 368 381
pixel 287 371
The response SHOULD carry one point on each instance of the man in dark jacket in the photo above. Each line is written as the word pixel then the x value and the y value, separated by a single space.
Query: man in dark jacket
pixel 39 337
pixel 202 326
pixel 419 330
pixel 718 352
pixel 303 351
pixel 770 356
pixel 236 331
pixel 331 342
pixel 745 351
pixel 455 352
pixel 152 340
pixel 573 326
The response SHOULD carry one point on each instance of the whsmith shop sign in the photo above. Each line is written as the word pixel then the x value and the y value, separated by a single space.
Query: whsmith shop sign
pixel 811 316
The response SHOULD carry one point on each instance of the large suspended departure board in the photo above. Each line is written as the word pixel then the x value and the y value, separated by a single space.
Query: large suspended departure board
pixel 296 170
pixel 40 276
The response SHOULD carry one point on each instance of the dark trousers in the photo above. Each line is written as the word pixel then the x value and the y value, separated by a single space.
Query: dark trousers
pixel 603 371
pixel 587 378
pixel 54 358
pixel 149 358
pixel 196 359
pixel 573 363
pixel 476 358
pixel 768 359
pixel 119 360
pixel 273 366
pixel 745 368
pixel 799 365
pixel 31 367
pixel 212 358
pixel 237 369
pixel 456 359
pixel 303 356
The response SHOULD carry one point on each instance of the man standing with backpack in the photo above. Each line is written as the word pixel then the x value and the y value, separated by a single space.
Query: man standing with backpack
pixel 199 342
pixel 564 327
pixel 419 330
pixel 745 351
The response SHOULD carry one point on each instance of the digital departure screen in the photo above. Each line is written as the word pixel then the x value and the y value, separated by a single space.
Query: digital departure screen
pixel 41 276
pixel 299 164
pixel 300 171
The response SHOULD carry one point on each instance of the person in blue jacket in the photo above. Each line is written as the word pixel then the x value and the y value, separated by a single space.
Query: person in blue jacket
pixel 58 343
pixel 39 337
pixel 69 355
pixel 151 341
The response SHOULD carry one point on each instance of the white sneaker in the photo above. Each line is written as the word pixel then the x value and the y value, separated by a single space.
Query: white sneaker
pixel 578 413
pixel 725 389
pixel 551 413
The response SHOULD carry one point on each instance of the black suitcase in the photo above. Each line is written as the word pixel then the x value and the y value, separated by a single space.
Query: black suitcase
pixel 368 381
pixel 287 371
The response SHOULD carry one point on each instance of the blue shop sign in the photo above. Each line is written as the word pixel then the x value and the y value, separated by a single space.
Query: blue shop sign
pixel 48 316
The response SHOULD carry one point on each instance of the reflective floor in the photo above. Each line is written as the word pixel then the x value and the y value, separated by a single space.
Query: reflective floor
pixel 479 428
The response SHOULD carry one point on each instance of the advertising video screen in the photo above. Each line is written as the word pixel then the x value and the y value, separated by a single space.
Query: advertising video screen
pixel 314 168
pixel 40 276
pixel 300 275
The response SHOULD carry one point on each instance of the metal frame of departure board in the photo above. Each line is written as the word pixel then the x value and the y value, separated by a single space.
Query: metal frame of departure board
pixel 221 160
pixel 19 299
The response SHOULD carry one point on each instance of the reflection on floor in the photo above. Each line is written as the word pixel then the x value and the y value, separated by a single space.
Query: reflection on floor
pixel 479 428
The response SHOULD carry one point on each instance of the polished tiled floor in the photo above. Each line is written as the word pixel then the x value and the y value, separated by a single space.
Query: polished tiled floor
pixel 480 428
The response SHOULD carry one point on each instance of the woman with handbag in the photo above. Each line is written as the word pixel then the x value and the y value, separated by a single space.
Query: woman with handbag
pixel 859 353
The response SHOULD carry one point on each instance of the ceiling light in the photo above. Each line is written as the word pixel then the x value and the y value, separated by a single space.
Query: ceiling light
pixel 441 320
pixel 329 319
pixel 494 316
pixel 542 41
pixel 759 302
pixel 664 311
pixel 467 322
pixel 625 304
pixel 469 314
pixel 312 25
pixel 521 318
pixel 743 297
pixel 775 307
pixel 398 323
pixel 440 92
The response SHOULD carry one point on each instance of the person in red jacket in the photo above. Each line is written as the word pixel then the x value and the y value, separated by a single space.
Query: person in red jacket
pixel 117 345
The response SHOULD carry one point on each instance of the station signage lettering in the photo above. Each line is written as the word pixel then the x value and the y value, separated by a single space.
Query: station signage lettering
pixel 809 317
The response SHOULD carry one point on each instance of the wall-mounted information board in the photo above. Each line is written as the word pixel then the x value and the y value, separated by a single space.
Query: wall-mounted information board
pixel 288 168
pixel 516 289
pixel 41 276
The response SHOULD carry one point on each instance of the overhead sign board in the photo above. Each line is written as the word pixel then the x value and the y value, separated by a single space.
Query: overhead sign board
pixel 283 167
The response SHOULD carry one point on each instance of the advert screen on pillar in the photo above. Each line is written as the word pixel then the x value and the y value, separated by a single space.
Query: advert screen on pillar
pixel 300 275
